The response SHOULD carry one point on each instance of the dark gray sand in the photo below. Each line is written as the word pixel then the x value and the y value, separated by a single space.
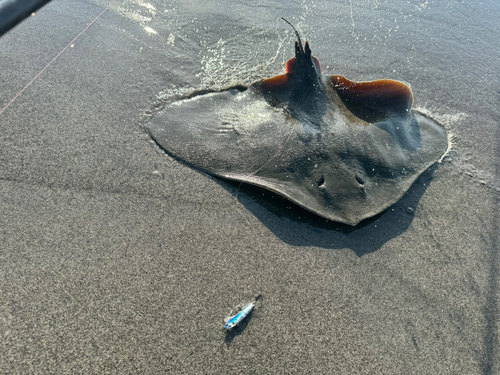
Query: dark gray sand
pixel 116 258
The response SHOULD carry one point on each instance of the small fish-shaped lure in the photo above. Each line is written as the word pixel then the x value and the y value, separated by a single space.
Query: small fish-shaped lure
pixel 233 321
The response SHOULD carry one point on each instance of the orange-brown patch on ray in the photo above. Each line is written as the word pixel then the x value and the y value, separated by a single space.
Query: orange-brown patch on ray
pixel 373 100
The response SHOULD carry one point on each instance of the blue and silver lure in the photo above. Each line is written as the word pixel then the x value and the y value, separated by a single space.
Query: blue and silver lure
pixel 233 321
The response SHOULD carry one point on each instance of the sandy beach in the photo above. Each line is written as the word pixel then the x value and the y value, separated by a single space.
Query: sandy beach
pixel 116 258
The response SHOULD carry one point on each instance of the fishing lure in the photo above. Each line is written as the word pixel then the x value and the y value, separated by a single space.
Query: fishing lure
pixel 233 321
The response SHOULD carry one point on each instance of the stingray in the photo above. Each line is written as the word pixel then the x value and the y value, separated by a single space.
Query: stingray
pixel 341 149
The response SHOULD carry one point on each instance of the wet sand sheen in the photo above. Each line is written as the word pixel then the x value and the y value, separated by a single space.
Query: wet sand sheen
pixel 116 258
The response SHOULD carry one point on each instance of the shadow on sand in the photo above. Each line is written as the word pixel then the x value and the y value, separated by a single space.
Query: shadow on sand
pixel 238 330
pixel 299 227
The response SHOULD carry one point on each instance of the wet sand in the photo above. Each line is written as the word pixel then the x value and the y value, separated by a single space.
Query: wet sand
pixel 116 258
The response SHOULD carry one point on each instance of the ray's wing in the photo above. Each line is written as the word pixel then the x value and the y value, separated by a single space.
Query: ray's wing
pixel 344 150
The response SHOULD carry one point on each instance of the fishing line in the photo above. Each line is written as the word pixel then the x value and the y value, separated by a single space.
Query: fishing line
pixel 286 140
pixel 267 162
pixel 54 59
